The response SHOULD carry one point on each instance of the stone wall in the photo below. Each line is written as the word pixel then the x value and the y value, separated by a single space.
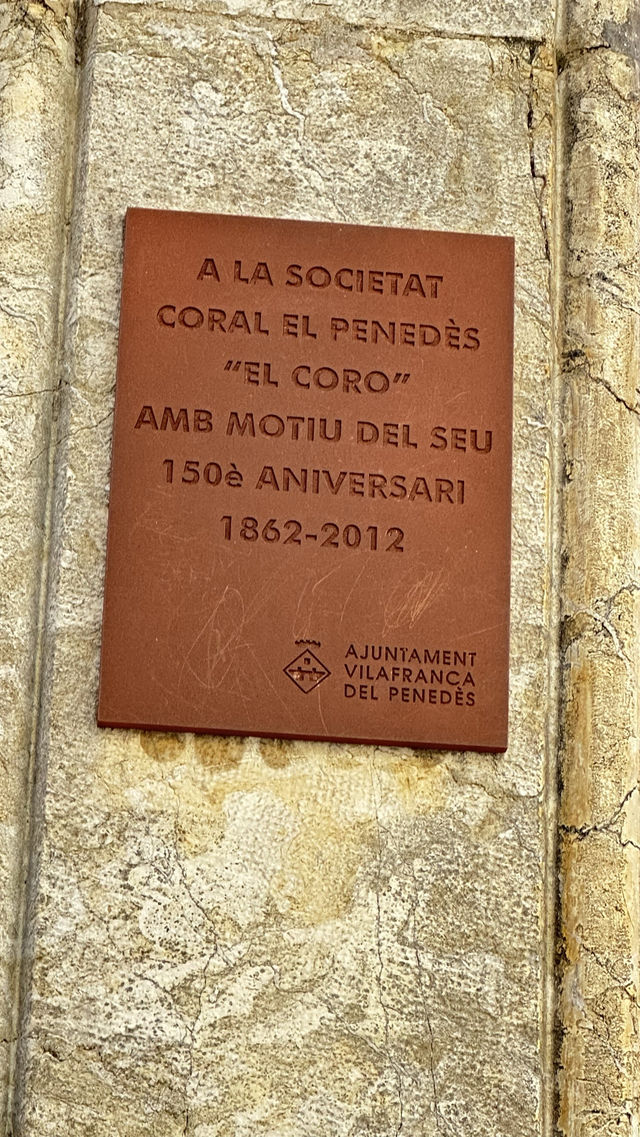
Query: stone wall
pixel 599 939
pixel 213 937
pixel 37 101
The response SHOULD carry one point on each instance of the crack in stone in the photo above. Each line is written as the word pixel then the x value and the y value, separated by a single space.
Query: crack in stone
pixel 577 357
pixel 539 179
pixel 619 399
pixel 631 586
pixel 26 394
pixel 623 986
pixel 264 44
pixel 397 73
pixel 611 631
pixel 615 290
pixel 59 12
pixel 14 314
pixel 65 437
pixel 580 832
pixel 404 30
pixel 567 58
pixel 272 56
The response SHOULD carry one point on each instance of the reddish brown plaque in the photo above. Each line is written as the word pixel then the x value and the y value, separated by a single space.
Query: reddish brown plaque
pixel 309 526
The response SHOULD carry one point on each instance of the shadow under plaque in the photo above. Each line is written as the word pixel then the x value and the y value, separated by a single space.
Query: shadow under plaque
pixel 310 510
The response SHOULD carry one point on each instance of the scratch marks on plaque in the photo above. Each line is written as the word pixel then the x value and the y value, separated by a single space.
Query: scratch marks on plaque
pixel 268 681
pixel 217 648
pixel 409 601
pixel 221 654
pixel 303 618
pixel 351 592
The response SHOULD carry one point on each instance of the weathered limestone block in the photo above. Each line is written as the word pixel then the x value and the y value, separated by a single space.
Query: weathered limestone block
pixel 497 19
pixel 599 1061
pixel 37 72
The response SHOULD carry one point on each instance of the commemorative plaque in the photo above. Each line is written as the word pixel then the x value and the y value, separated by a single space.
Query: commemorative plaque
pixel 309 522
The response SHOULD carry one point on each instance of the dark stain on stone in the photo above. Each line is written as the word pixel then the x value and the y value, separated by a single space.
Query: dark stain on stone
pixel 625 37
pixel 217 752
pixel 162 745
pixel 428 757
pixel 278 752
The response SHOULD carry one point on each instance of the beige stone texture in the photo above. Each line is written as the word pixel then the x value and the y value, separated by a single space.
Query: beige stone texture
pixel 599 1059
pixel 37 74
pixel 235 937
pixel 475 20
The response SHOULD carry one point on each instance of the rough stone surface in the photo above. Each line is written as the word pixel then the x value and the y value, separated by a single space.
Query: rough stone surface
pixel 599 1060
pixel 37 72
pixel 287 938
pixel 236 937
pixel 501 19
